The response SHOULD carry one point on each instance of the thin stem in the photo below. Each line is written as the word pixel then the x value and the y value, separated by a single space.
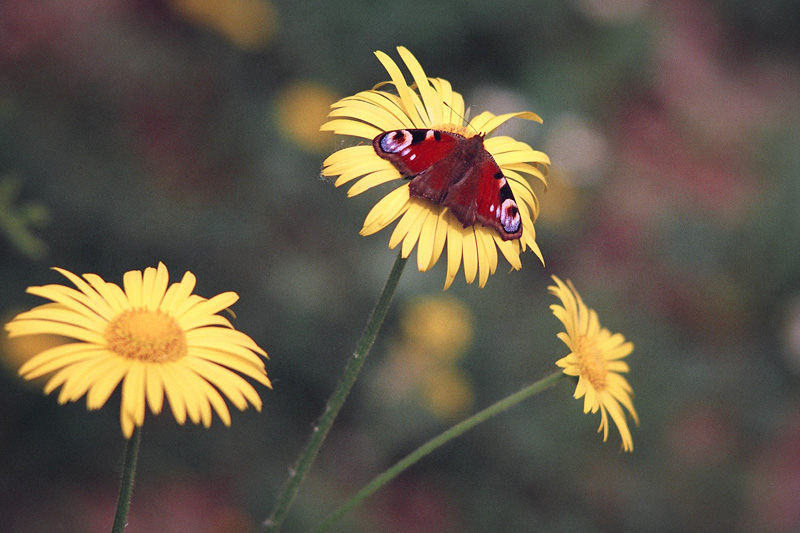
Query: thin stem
pixel 436 442
pixel 337 399
pixel 126 485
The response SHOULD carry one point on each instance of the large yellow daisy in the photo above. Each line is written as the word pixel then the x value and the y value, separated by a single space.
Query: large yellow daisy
pixel 595 358
pixel 154 339
pixel 430 103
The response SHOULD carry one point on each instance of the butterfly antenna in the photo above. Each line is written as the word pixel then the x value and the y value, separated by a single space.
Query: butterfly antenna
pixel 464 118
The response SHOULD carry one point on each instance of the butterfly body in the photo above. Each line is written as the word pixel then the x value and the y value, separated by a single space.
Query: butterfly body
pixel 456 172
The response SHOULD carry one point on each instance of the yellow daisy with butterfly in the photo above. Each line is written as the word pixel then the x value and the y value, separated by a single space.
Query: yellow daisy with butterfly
pixel 462 188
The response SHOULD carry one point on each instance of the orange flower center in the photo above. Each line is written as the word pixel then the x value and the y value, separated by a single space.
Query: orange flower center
pixel 149 336
pixel 454 128
pixel 592 363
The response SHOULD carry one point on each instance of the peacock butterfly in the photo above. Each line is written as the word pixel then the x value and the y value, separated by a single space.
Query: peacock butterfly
pixel 456 172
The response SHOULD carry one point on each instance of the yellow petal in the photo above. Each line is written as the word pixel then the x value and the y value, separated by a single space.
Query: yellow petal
pixel 510 250
pixel 365 166
pixel 341 160
pixel 217 402
pixel 483 257
pixel 241 388
pixel 415 211
pixel 57 357
pixel 79 377
pixel 93 299
pixel 60 314
pixel 154 388
pixel 397 118
pixel 228 383
pixel 537 171
pixel 452 102
pixel 387 210
pixel 178 293
pixel 470 254
pixel 148 282
pixel 102 389
pixel 486 122
pixel 132 281
pixel 439 237
pixel 155 287
pixel 196 404
pixel 523 193
pixel 111 294
pixel 374 115
pixel 133 398
pixel 35 327
pixel 407 96
pixel 191 301
pixel 221 347
pixel 233 362
pixel 373 180
pixel 431 102
pixel 425 248
pixel 413 234
pixel 487 236
pixel 517 156
pixel 455 241
pixel 75 300
pixel 127 424
pixel 233 337
pixel 172 387
pixel 211 320
pixel 351 127
pixel 205 308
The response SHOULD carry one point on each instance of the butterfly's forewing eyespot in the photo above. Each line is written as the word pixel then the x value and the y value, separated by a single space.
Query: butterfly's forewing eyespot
pixel 393 142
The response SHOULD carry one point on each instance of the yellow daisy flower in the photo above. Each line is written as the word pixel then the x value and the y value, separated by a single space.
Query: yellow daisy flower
pixel 596 359
pixel 430 103
pixel 153 338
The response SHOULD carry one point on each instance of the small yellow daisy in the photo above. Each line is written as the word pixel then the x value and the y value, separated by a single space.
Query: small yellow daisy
pixel 154 339
pixel 430 103
pixel 596 359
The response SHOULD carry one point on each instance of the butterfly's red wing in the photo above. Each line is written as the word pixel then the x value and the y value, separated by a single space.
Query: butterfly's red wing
pixel 497 206
pixel 425 155
pixel 455 172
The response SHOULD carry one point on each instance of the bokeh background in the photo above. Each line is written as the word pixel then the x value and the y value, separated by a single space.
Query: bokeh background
pixel 185 131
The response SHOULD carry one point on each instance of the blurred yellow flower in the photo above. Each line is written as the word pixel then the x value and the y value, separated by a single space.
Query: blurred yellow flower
pixel 595 358
pixel 430 103
pixel 422 363
pixel 565 202
pixel 19 349
pixel 301 106
pixel 154 339
pixel 248 24
pixel 446 393
pixel 439 326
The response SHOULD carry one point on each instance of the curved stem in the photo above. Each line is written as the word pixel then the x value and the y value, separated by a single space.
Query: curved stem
pixel 438 441
pixel 320 431
pixel 126 485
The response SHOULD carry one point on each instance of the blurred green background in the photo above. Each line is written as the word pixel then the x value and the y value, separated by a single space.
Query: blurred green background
pixel 184 131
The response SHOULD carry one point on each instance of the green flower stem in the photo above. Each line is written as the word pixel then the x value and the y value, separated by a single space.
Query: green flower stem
pixel 320 431
pixel 436 442
pixel 126 486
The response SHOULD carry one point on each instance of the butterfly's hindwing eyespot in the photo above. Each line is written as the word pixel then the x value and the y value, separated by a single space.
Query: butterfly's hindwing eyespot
pixel 509 211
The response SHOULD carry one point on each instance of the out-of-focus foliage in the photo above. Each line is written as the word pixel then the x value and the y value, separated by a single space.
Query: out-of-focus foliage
pixel 18 222
pixel 163 131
